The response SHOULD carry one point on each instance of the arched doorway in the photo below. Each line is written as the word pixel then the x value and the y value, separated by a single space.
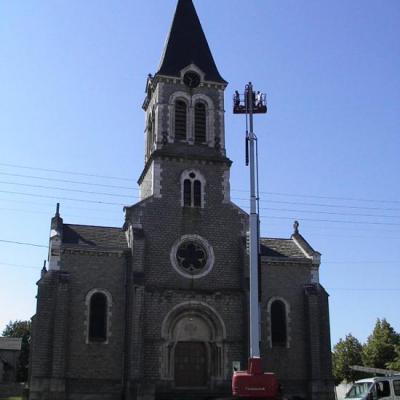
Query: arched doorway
pixel 191 364
pixel 193 351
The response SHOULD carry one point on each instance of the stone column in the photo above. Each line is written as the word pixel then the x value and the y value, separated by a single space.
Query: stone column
pixel 320 377
pixel 60 338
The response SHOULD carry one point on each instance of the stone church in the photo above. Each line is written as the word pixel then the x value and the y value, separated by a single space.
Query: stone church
pixel 158 308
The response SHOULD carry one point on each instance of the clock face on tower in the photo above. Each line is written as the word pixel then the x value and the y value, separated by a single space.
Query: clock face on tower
pixel 191 79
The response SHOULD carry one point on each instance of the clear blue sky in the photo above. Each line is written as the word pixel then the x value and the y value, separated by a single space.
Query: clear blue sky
pixel 72 79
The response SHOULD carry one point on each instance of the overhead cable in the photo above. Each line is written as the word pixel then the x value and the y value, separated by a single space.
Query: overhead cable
pixel 66 172
pixel 68 181
pixel 22 243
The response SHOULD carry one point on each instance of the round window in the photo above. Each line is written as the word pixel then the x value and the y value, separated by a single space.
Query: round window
pixel 192 256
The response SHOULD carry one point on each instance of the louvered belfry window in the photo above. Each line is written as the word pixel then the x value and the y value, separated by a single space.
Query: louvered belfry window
pixel 278 323
pixel 180 120
pixel 200 122
pixel 98 318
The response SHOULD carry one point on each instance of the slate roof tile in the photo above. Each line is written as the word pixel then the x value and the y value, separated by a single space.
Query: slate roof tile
pixel 285 248
pixel 94 236
pixel 187 44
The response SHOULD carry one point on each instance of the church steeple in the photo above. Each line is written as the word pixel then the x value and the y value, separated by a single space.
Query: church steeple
pixel 187 44
pixel 184 106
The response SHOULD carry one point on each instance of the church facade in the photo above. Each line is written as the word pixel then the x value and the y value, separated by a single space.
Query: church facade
pixel 158 308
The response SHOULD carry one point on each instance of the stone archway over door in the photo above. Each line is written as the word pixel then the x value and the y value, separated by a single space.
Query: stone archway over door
pixel 193 350
pixel 191 364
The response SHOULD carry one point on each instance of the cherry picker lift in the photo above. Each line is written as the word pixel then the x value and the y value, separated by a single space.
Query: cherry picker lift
pixel 253 383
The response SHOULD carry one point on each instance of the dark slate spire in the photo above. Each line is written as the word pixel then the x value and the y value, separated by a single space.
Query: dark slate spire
pixel 187 44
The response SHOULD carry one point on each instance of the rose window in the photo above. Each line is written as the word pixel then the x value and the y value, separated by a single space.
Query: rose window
pixel 191 257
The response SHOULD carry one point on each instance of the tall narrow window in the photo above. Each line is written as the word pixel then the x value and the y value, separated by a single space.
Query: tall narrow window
pixel 278 323
pixel 192 189
pixel 180 120
pixel 98 317
pixel 187 192
pixel 200 122
pixel 196 193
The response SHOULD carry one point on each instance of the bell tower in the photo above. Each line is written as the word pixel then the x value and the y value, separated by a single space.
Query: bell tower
pixel 184 102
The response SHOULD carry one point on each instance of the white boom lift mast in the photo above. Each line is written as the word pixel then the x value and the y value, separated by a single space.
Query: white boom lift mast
pixel 252 104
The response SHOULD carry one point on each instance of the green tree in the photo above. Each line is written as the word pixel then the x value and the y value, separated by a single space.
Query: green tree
pixel 346 352
pixel 20 329
pixel 380 349
pixel 395 364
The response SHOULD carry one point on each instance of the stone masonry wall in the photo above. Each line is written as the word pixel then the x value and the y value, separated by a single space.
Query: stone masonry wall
pixel 222 225
pixel 91 365
pixel 286 281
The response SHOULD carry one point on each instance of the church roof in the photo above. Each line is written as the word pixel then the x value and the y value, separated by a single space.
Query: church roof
pixel 282 248
pixel 187 44
pixel 94 236
pixel 115 238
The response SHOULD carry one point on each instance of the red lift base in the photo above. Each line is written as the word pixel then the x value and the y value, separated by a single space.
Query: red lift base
pixel 254 383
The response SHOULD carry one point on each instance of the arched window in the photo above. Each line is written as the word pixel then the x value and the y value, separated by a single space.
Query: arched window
pixel 278 323
pixel 200 122
pixel 180 120
pixel 192 193
pixel 98 317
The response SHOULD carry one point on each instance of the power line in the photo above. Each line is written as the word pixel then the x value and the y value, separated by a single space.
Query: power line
pixel 263 208
pixel 91 218
pixel 23 243
pixel 64 215
pixel 48 204
pixel 270 201
pixel 136 188
pixel 330 213
pixel 131 180
pixel 262 216
pixel 62 198
pixel 324 205
pixel 60 171
pixel 18 265
pixel 104 210
pixel 65 189
pixel 239 199
pixel 332 220
pixel 68 181
pixel 323 197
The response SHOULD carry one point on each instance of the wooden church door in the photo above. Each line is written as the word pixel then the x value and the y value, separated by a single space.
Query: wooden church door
pixel 190 364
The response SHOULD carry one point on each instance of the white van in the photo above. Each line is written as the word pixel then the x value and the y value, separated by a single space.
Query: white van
pixel 383 387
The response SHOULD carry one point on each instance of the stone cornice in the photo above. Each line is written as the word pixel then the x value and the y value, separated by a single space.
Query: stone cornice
pixel 176 79
pixel 163 155
pixel 285 260
pixel 221 292
pixel 99 252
